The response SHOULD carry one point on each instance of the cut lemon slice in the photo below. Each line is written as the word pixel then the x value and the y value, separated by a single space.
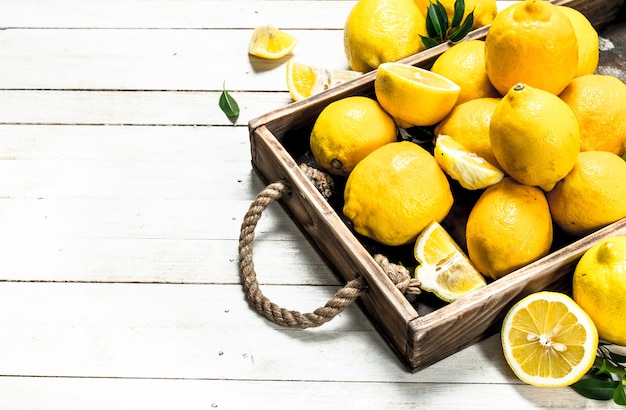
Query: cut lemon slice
pixel 304 80
pixel 414 96
pixel 472 171
pixel 444 269
pixel 548 340
pixel 270 42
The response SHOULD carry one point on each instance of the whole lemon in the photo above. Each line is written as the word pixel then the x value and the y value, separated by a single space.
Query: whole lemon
pixel 587 39
pixel 378 31
pixel 468 123
pixel 484 10
pixel 599 287
pixel 464 63
pixel 534 136
pixel 508 227
pixel 395 192
pixel 531 42
pixel 592 195
pixel 414 96
pixel 347 130
pixel 599 104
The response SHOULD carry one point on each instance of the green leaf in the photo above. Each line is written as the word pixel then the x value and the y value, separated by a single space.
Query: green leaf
pixel 595 389
pixel 228 104
pixel 624 156
pixel 619 396
pixel 433 23
pixel 465 28
pixel 429 42
pixel 459 10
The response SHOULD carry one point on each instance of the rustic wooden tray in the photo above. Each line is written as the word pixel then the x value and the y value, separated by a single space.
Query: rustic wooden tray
pixel 420 332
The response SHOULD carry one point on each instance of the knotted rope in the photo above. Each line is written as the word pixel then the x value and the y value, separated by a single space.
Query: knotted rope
pixel 345 296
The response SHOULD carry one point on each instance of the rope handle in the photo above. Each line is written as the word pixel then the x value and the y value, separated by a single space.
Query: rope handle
pixel 339 301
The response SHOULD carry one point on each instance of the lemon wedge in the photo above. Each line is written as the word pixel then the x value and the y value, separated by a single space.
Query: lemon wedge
pixel 270 42
pixel 444 269
pixel 414 96
pixel 305 80
pixel 548 340
pixel 472 172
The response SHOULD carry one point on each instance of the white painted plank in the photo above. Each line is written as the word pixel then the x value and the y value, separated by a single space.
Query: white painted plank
pixel 154 59
pixel 138 218
pixel 24 393
pixel 203 331
pixel 197 14
pixel 63 259
pixel 131 108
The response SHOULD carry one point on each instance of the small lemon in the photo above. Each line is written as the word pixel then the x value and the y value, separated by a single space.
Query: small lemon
pixel 508 227
pixel 534 136
pixel 531 42
pixel 599 287
pixel 414 96
pixel 464 63
pixel 468 123
pixel 592 195
pixel 347 130
pixel 587 39
pixel 379 31
pixel 599 104
pixel 395 192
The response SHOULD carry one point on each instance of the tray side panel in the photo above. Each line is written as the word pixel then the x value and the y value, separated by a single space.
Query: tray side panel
pixel 385 304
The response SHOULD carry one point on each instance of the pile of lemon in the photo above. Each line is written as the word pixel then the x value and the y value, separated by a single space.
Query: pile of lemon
pixel 522 118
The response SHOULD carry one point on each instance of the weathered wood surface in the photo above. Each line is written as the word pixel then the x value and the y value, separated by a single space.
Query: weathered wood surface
pixel 122 190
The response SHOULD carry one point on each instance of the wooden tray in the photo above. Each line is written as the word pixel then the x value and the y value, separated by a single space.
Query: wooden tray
pixel 421 333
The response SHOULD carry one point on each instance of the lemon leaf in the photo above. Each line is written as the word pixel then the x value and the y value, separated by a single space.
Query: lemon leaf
pixel 429 42
pixel 595 388
pixel 436 20
pixel 464 29
pixel 228 104
pixel 619 396
pixel 459 10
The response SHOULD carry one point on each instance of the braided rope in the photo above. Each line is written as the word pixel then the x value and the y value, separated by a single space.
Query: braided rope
pixel 291 318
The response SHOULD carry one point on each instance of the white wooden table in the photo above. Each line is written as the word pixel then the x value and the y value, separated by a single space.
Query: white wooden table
pixel 122 191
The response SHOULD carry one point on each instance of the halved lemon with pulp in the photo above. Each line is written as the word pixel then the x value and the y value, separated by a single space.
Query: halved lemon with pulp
pixel 444 269
pixel 548 340
pixel 472 172
pixel 270 42
pixel 305 80
pixel 414 96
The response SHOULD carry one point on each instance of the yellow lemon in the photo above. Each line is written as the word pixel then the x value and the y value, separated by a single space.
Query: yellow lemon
pixel 484 10
pixel 599 287
pixel 347 130
pixel 599 104
pixel 270 42
pixel 468 123
pixel 379 31
pixel 508 227
pixel 592 195
pixel 531 42
pixel 464 63
pixel 395 192
pixel 534 136
pixel 305 80
pixel 414 96
pixel 587 39
pixel 548 340
pixel 444 268
pixel 472 171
